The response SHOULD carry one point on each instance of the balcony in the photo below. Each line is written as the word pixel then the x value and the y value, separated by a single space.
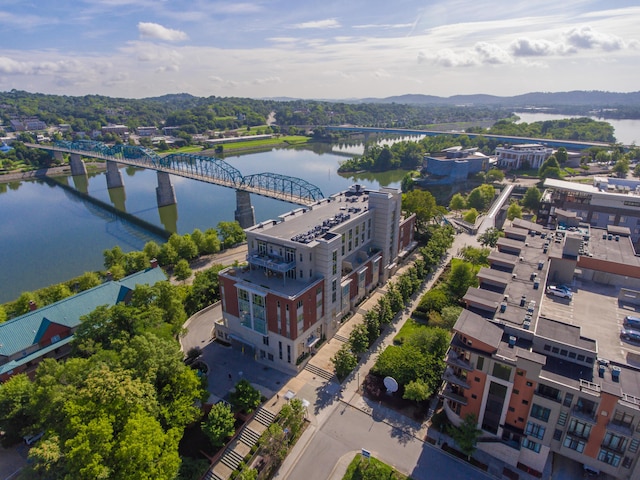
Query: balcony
pixel 584 414
pixel 450 376
pixel 454 359
pixel 450 394
pixel 622 428
pixel 271 262
pixel 549 393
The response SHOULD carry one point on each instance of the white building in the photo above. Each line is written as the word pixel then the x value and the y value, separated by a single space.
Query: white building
pixel 514 157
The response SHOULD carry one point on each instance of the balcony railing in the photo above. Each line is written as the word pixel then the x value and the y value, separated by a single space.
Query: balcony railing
pixel 450 376
pixel 455 359
pixel 584 414
pixel 548 395
pixel 272 262
pixel 447 392
pixel 623 428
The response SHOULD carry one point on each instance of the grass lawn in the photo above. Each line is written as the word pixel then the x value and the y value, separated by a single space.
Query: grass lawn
pixel 410 327
pixel 267 142
pixel 375 470
pixel 188 149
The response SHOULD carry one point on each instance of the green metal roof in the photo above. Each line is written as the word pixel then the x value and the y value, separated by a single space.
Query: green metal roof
pixel 21 332
pixel 7 367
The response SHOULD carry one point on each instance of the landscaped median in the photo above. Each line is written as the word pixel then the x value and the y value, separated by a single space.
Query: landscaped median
pixel 369 468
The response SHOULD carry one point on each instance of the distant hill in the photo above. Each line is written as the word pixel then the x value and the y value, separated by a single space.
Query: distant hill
pixel 535 99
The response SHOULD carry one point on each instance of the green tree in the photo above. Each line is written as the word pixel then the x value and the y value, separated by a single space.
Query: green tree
pixel 550 168
pixel 514 211
pixel 423 204
pixel 462 277
pixel 417 390
pixel 151 250
pixel 3 314
pixel 344 362
pixel 490 237
pixel 394 296
pixel 372 322
pixel 182 270
pixel 245 398
pixel 495 175
pixel 621 167
pixel 292 416
pixel 112 257
pixel 435 299
pixel 481 197
pixel 210 243
pixel 562 156
pixel 168 254
pixel 531 199
pixel 16 413
pixel 466 435
pixel 475 255
pixel 231 233
pixel 248 474
pixel 457 202
pixel 219 425
pixel 272 442
pixel 205 290
pixel 449 316
pixel 359 339
pixel 87 280
pixel 471 215
pixel 405 364
pixel 384 310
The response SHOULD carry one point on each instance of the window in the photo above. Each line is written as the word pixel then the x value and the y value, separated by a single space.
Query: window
pixel 511 409
pixel 265 341
pixel 55 338
pixel 474 396
pixel 477 379
pixel 623 419
pixel 525 402
pixel 557 434
pixel 541 413
pixel 547 348
pixel 334 259
pixel 555 350
pixel 480 363
pixel 534 446
pixel 609 458
pixel 535 430
pixel 633 446
pixel 502 372
pixel 568 398
pixel 520 373
pixel 288 353
pixel 574 443
pixel 579 429
pixel 549 392
pixel 614 442
pixel 334 288
pixel 280 350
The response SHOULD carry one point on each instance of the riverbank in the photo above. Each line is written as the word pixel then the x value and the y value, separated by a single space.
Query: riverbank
pixel 49 172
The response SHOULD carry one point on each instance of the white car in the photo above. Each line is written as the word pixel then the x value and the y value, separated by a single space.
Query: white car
pixel 559 292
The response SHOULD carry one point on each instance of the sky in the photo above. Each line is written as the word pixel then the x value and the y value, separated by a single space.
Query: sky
pixel 324 49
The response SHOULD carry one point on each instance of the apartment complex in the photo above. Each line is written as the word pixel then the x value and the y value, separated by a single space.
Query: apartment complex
pixel 455 164
pixel 47 332
pixel 546 373
pixel 514 157
pixel 308 269
pixel 607 201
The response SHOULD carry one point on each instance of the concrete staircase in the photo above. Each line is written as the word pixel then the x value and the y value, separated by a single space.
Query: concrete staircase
pixel 318 371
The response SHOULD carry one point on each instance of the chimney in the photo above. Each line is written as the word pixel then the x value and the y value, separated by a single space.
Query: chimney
pixel 32 306
pixel 154 263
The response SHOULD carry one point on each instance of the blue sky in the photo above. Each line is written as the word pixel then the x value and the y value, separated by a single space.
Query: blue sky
pixel 329 49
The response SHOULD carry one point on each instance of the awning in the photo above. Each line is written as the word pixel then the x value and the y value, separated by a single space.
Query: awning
pixel 312 340
pixel 290 395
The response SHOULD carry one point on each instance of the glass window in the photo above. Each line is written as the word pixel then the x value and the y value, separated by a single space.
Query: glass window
pixel 480 364
pixel 535 430
pixel 580 429
pixel 502 372
pixel 541 413
pixel 610 458
pixel 574 443
pixel 526 443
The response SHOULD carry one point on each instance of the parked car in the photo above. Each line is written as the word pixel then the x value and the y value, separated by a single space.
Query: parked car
pixel 632 322
pixel 31 439
pixel 558 292
pixel 566 288
pixel 630 335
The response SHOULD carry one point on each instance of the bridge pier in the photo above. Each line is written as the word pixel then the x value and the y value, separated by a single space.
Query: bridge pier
pixel 57 155
pixel 114 176
pixel 77 165
pixel 165 193
pixel 244 214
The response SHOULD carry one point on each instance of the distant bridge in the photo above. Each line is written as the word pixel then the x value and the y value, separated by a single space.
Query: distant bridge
pixel 197 167
pixel 568 144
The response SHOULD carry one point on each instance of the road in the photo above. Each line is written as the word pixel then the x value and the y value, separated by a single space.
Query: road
pixel 348 429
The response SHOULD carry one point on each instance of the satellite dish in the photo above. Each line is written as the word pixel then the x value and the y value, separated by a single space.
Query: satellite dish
pixel 391 384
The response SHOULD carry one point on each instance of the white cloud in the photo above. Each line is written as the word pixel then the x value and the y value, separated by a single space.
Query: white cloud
pixel 385 26
pixel 492 53
pixel 263 81
pixel 322 24
pixel 157 31
pixel 238 8
pixel 448 58
pixel 10 66
pixel 586 37
pixel 529 47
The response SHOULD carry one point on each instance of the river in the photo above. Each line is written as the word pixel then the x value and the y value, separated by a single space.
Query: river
pixel 626 131
pixel 50 235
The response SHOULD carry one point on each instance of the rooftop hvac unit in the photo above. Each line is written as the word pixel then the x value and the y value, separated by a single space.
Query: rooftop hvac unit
pixel 526 325
pixel 512 341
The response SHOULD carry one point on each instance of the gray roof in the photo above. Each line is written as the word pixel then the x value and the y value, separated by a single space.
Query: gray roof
pixel 483 298
pixel 476 327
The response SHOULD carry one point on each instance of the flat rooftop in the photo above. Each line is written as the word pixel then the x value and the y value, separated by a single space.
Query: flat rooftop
pixel 305 225
pixel 604 246
pixel 264 280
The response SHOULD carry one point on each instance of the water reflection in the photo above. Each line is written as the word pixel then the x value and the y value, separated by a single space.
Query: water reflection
pixel 81 183
pixel 118 196
pixel 169 217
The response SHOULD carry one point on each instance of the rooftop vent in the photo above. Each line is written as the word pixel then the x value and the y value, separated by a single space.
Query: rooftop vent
pixel 512 341
pixel 615 374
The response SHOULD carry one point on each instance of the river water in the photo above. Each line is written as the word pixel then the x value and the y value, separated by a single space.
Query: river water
pixel 50 235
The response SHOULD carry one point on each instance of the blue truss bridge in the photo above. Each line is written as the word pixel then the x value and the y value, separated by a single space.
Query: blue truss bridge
pixel 197 167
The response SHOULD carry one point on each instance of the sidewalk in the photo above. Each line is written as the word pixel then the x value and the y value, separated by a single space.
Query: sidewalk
pixel 348 391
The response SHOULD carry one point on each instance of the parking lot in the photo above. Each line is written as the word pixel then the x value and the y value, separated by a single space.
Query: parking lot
pixel 596 309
